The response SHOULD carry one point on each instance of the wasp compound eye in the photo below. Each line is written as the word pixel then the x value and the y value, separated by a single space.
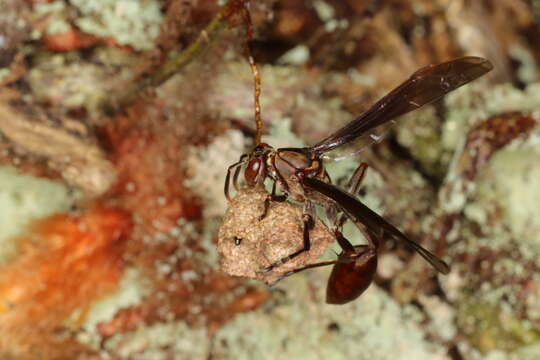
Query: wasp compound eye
pixel 254 171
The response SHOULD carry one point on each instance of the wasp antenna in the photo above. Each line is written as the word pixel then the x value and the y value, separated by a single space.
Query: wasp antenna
pixel 255 71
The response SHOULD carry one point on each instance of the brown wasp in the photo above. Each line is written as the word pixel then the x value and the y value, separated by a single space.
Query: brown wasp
pixel 300 171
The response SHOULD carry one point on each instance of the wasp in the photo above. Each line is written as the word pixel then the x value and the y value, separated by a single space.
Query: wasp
pixel 301 174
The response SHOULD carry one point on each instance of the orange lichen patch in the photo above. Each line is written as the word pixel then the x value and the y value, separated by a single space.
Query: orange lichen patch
pixel 148 162
pixel 148 144
pixel 70 40
pixel 249 301
pixel 125 320
pixel 294 18
pixel 74 39
pixel 66 262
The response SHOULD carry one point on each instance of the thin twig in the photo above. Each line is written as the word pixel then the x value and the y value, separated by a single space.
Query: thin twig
pixel 203 42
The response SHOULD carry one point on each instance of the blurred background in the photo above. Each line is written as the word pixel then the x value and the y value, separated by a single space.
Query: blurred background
pixel 112 164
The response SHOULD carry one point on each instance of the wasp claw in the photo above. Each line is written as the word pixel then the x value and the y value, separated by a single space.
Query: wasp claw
pixel 266 269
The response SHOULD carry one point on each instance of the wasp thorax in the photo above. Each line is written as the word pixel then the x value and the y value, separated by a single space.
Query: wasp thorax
pixel 288 163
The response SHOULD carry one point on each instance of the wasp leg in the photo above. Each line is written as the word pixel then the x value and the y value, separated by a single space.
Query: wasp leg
pixel 235 177
pixel 307 218
pixel 356 179
pixel 363 252
pixel 228 177
pixel 353 187
pixel 271 197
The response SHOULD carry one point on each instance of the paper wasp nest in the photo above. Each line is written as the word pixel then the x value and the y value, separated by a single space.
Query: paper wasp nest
pixel 247 244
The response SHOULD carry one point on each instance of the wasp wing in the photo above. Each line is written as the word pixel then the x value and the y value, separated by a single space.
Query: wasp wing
pixel 361 214
pixel 425 86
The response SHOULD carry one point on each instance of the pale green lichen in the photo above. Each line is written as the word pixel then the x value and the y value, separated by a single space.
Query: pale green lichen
pixel 56 17
pixel 527 72
pixel 281 135
pixel 298 55
pixel 327 14
pixel 24 198
pixel 174 340
pixel 490 327
pixel 58 26
pixel 442 316
pixel 529 352
pixel 72 83
pixel 361 79
pixel 207 168
pixel 130 292
pixel 325 11
pixel 302 327
pixel 130 22
pixel 46 8
pixel 420 133
pixel 207 241
pixel 510 184
pixel 4 74
pixel 182 234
